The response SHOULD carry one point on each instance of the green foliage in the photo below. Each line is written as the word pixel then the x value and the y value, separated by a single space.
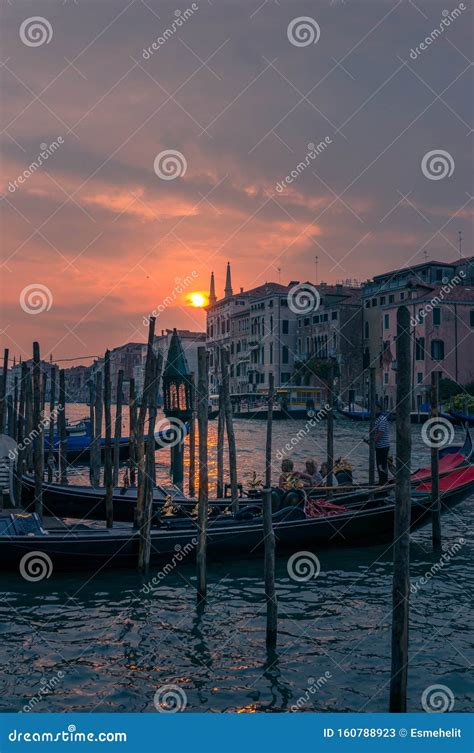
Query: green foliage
pixel 447 389
pixel 320 367
pixel 463 403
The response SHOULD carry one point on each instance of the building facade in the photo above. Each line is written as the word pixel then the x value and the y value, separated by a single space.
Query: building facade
pixel 258 328
pixel 396 288
pixel 442 332
pixel 334 330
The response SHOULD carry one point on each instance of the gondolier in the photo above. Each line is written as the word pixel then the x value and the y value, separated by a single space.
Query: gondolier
pixel 382 443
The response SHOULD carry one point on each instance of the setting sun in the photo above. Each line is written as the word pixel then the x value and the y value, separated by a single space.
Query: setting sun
pixel 198 300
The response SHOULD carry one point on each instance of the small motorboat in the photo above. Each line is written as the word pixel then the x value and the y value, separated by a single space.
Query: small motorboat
pixel 464 418
pixel 79 442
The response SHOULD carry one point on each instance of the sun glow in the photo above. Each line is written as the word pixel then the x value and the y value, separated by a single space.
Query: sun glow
pixel 198 300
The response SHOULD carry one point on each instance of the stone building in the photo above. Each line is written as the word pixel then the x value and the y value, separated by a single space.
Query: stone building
pixel 396 288
pixel 333 330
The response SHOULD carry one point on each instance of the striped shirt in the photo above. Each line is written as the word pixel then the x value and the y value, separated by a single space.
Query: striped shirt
pixel 381 427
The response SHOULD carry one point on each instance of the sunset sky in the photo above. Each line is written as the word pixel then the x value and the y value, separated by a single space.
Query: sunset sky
pixel 109 239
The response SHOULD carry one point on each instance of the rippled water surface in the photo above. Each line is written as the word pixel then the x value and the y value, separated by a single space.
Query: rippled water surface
pixel 107 642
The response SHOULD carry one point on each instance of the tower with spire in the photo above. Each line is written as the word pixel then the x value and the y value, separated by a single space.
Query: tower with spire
pixel 228 283
pixel 212 291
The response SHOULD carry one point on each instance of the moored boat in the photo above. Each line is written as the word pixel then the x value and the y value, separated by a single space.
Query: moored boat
pixel 465 418
pixel 79 442
pixel 80 546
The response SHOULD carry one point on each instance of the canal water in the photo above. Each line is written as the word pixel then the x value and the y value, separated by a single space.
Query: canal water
pixel 115 641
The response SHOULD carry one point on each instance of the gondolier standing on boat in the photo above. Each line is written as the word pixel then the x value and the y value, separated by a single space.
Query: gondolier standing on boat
pixel 382 443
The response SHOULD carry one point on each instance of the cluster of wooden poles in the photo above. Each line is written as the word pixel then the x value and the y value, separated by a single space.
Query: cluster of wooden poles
pixel 24 415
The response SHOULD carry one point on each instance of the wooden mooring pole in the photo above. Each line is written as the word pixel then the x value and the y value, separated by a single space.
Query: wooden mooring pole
pixel 234 490
pixel 220 445
pixel 91 385
pixel 140 433
pixel 401 546
pixel 435 498
pixel 203 494
pixel 38 429
pixel 108 473
pixel 144 547
pixel 62 428
pixel 3 390
pixel 15 408
pixel 372 395
pixel 118 427
pixel 52 405
pixel 20 434
pixel 330 427
pixel 192 443
pixel 95 451
pixel 10 415
pixel 132 414
pixel 29 419
pixel 268 532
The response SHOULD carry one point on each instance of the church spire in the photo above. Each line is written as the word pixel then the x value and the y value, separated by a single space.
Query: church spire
pixel 212 291
pixel 228 282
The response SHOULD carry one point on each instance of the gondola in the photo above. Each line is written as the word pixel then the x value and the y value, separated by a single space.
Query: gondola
pixel 25 544
pixel 78 444
pixel 85 502
pixel 450 458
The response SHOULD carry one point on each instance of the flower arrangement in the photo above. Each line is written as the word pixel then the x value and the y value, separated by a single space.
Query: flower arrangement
pixel 342 464
pixel 293 481
pixel 255 482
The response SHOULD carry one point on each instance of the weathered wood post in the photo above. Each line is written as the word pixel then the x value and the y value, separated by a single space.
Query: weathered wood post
pixel 15 407
pixel 91 385
pixel 401 546
pixel 230 429
pixel 62 428
pixel 52 405
pixel 29 420
pixel 192 443
pixel 132 413
pixel 10 415
pixel 330 427
pixel 3 389
pixel 95 449
pixel 220 445
pixel 21 434
pixel 38 430
pixel 372 406
pixel 144 547
pixel 44 387
pixel 268 533
pixel 140 433
pixel 435 498
pixel 203 494
pixel 118 427
pixel 108 474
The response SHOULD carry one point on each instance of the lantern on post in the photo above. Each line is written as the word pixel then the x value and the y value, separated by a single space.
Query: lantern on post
pixel 178 399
